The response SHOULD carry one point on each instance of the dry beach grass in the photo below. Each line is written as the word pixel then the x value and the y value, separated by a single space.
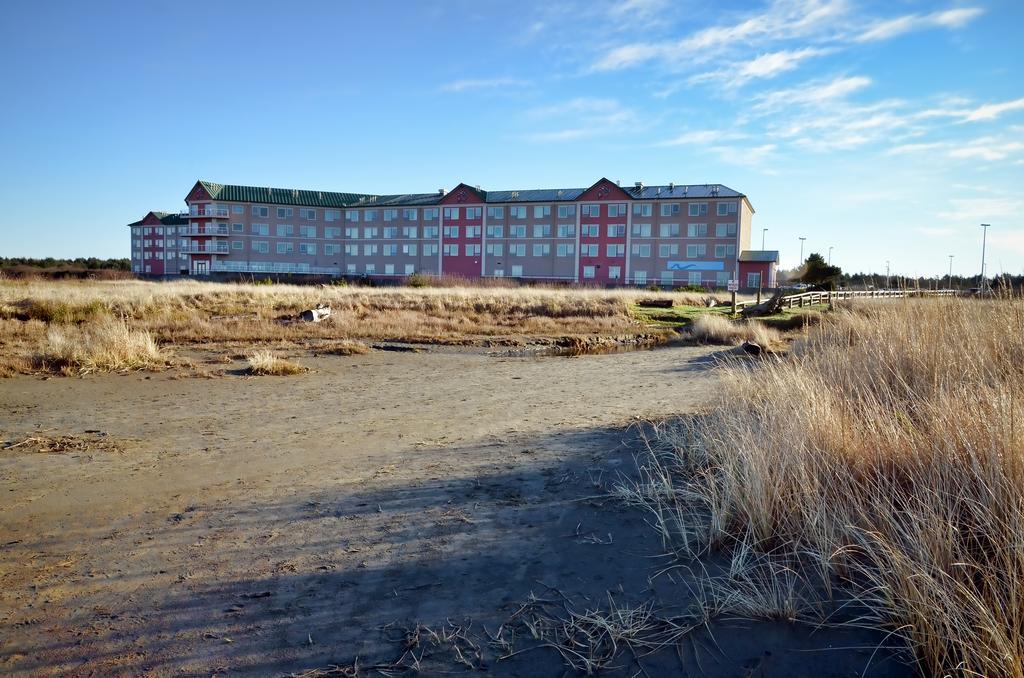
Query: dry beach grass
pixel 884 453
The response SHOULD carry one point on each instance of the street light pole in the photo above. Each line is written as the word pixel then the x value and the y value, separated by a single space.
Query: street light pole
pixel 763 231
pixel 984 237
pixel 830 255
pixel 802 249
pixel 950 271
pixel 886 274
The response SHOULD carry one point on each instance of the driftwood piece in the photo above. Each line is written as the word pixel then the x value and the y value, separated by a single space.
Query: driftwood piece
pixel 770 307
pixel 315 315
pixel 710 302
pixel 655 303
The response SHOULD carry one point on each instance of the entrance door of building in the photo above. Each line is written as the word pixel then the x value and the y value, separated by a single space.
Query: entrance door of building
pixel 201 267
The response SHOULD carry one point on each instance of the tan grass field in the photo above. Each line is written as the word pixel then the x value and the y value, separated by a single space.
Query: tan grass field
pixel 145 316
pixel 884 453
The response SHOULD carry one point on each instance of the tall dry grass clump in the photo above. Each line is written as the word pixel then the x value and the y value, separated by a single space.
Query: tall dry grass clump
pixel 717 329
pixel 886 449
pixel 106 345
pixel 265 363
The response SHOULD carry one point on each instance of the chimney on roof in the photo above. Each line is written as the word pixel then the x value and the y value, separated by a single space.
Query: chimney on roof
pixel 671 186
pixel 477 187
pixel 639 185
pixel 441 191
pixel 618 183
pixel 659 190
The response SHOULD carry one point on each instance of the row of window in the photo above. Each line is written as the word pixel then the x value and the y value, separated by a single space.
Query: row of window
pixel 694 209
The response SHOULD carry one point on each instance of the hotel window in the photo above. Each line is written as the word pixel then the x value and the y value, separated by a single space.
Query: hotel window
pixel 726 208
pixel 614 272
pixel 390 250
pixel 474 212
pixel 159 230
pixel 332 215
pixel 616 250
pixel 669 209
pixel 350 269
pixel 566 250
pixel 352 250
pixel 410 269
pixel 237 228
pixel 260 229
pixel 617 210
pixel 409 250
pixel 371 268
pixel 158 255
pixel 261 246
pixel 641 250
pixel 391 232
pixel 236 244
pixel 474 231
pixel 566 211
pixel 589 271
pixel 451 231
pixel 352 232
pixel 430 232
pixel 541 211
pixel 330 249
pixel 495 212
pixel 541 250
pixel 410 231
pixel 370 215
pixel 351 215
pixel 389 269
pixel 567 230
pixel 285 247
pixel 640 277
pixel 499 273
pixel 725 230
pixel 430 213
pixel 666 278
pixel 284 212
pixel 517 212
pixel 668 250
pixel 147 231
pixel 237 209
pixel 496 249
pixel 307 231
pixel 722 278
pixel 369 250
pixel 307 248
pixel 451 250
pixel 409 214
pixel 430 250
pixel 260 211
pixel 542 230
pixel 369 232
pixel 695 278
pixel 642 209
pixel 642 230
pixel 517 231
pixel 451 213
pixel 390 215
pixel 517 250
pixel 307 214
pixel 591 211
pixel 668 230
pixel 590 250
pixel 285 230
pixel 589 230
pixel 495 231
pixel 332 231
pixel 698 209
pixel 517 271
pixel 696 250
pixel 472 250
pixel 722 251
pixel 697 230
pixel 616 230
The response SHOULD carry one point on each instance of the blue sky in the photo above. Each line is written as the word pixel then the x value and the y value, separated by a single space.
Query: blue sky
pixel 886 130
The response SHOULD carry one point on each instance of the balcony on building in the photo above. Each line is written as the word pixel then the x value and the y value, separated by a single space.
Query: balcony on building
pixel 207 212
pixel 206 248
pixel 208 230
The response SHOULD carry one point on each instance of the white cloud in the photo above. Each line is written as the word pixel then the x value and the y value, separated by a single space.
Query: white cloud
pixel 887 29
pixel 978 210
pixel 766 65
pixel 702 137
pixel 482 84
pixel 581 117
pixel 986 148
pixel 811 93
pixel 982 113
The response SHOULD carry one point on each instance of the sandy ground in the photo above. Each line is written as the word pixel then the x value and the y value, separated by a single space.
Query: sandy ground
pixel 277 524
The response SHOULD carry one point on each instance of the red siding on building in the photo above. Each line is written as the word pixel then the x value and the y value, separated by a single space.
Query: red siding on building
pixel 766 269
pixel 462 197
pixel 599 194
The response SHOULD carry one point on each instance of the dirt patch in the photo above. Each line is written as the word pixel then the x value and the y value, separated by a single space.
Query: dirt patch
pixel 90 441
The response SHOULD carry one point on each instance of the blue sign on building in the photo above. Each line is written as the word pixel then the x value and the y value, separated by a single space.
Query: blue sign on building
pixel 696 265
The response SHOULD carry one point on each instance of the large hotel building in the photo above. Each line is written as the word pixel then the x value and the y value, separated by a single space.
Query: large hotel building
pixel 671 235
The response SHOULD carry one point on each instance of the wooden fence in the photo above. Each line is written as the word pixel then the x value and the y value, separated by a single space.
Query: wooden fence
pixel 813 298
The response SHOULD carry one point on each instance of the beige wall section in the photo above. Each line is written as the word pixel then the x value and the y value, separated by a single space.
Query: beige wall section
pixel 746 225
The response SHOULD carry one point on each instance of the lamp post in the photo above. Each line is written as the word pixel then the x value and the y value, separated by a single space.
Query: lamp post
pixel 763 231
pixel 984 237
pixel 830 255
pixel 802 249
pixel 886 274
pixel 950 271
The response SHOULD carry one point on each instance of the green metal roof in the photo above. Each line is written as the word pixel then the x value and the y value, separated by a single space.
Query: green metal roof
pixel 166 218
pixel 280 196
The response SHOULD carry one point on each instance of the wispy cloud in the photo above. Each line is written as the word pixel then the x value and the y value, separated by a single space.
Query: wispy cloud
pixel 580 118
pixel 986 148
pixel 815 92
pixel 702 137
pixel 763 66
pixel 980 113
pixel 887 29
pixel 483 84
